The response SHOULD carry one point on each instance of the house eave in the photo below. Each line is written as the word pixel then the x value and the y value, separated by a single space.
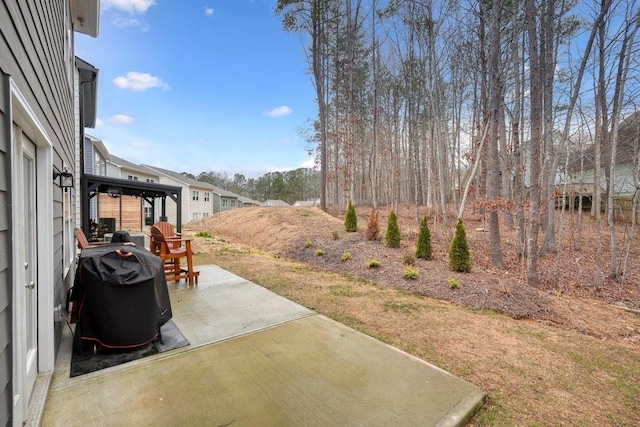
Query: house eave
pixel 88 90
pixel 85 15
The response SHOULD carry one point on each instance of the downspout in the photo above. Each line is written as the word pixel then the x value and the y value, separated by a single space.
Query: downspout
pixel 83 215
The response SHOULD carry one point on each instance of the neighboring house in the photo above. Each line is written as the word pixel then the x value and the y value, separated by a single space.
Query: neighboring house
pixel 127 212
pixel 245 202
pixel 275 203
pixel 42 118
pixel 95 157
pixel 224 200
pixel 581 169
pixel 196 196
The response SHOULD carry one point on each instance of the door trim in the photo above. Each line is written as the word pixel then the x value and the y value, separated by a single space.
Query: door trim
pixel 22 115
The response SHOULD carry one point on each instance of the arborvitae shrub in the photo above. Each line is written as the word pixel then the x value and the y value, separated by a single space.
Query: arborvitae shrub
pixel 392 237
pixel 423 248
pixel 351 219
pixel 459 259
pixel 372 232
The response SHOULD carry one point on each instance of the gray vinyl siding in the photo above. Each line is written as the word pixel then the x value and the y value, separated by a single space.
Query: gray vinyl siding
pixel 32 37
pixel 88 157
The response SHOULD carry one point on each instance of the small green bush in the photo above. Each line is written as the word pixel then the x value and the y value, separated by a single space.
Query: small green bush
pixel 459 259
pixel 335 235
pixel 351 219
pixel 392 237
pixel 423 248
pixel 453 283
pixel 373 263
pixel 409 259
pixel 346 256
pixel 410 273
pixel 203 234
pixel 307 244
pixel 319 251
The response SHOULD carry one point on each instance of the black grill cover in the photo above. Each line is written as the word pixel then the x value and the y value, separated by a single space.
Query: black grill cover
pixel 122 295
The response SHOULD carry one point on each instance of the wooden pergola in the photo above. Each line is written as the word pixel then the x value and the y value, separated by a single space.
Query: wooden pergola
pixel 92 185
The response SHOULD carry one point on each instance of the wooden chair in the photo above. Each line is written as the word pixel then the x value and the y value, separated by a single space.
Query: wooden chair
pixel 169 234
pixel 83 242
pixel 171 251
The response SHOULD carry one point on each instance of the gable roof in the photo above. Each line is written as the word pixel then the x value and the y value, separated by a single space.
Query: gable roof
pixel 98 144
pixel 248 201
pixel 224 193
pixel 179 177
pixel 125 164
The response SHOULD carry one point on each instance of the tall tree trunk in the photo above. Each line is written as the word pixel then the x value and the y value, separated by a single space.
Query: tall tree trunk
pixel 536 137
pixel 493 163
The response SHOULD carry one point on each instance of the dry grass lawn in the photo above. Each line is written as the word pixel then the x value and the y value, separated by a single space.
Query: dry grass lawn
pixel 536 370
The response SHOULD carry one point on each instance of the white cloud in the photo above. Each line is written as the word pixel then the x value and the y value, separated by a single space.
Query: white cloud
pixel 99 122
pixel 121 119
pixel 279 111
pixel 121 22
pixel 208 11
pixel 139 82
pixel 131 6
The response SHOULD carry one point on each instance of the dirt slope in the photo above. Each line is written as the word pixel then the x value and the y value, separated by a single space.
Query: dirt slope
pixel 564 297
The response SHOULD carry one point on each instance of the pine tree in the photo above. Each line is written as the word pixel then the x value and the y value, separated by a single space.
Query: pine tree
pixel 459 259
pixel 372 232
pixel 392 237
pixel 423 249
pixel 351 219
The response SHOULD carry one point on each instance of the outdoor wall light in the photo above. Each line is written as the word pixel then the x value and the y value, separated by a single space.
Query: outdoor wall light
pixel 66 178
pixel 114 191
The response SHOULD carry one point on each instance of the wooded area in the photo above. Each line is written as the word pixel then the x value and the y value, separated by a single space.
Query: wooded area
pixel 489 105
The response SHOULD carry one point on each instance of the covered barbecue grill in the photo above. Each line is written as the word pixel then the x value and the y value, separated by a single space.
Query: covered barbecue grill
pixel 122 295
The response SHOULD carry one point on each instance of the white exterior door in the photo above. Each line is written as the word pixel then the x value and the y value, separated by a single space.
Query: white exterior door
pixel 25 288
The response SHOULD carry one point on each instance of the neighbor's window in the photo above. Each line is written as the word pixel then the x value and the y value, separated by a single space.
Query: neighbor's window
pixel 149 180
pixel 233 203
pixel 206 197
pixel 195 195
pixel 225 203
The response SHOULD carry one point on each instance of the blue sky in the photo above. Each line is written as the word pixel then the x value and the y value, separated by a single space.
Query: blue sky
pixel 200 86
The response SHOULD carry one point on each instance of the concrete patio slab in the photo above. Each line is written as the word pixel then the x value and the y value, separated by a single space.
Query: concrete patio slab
pixel 258 359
